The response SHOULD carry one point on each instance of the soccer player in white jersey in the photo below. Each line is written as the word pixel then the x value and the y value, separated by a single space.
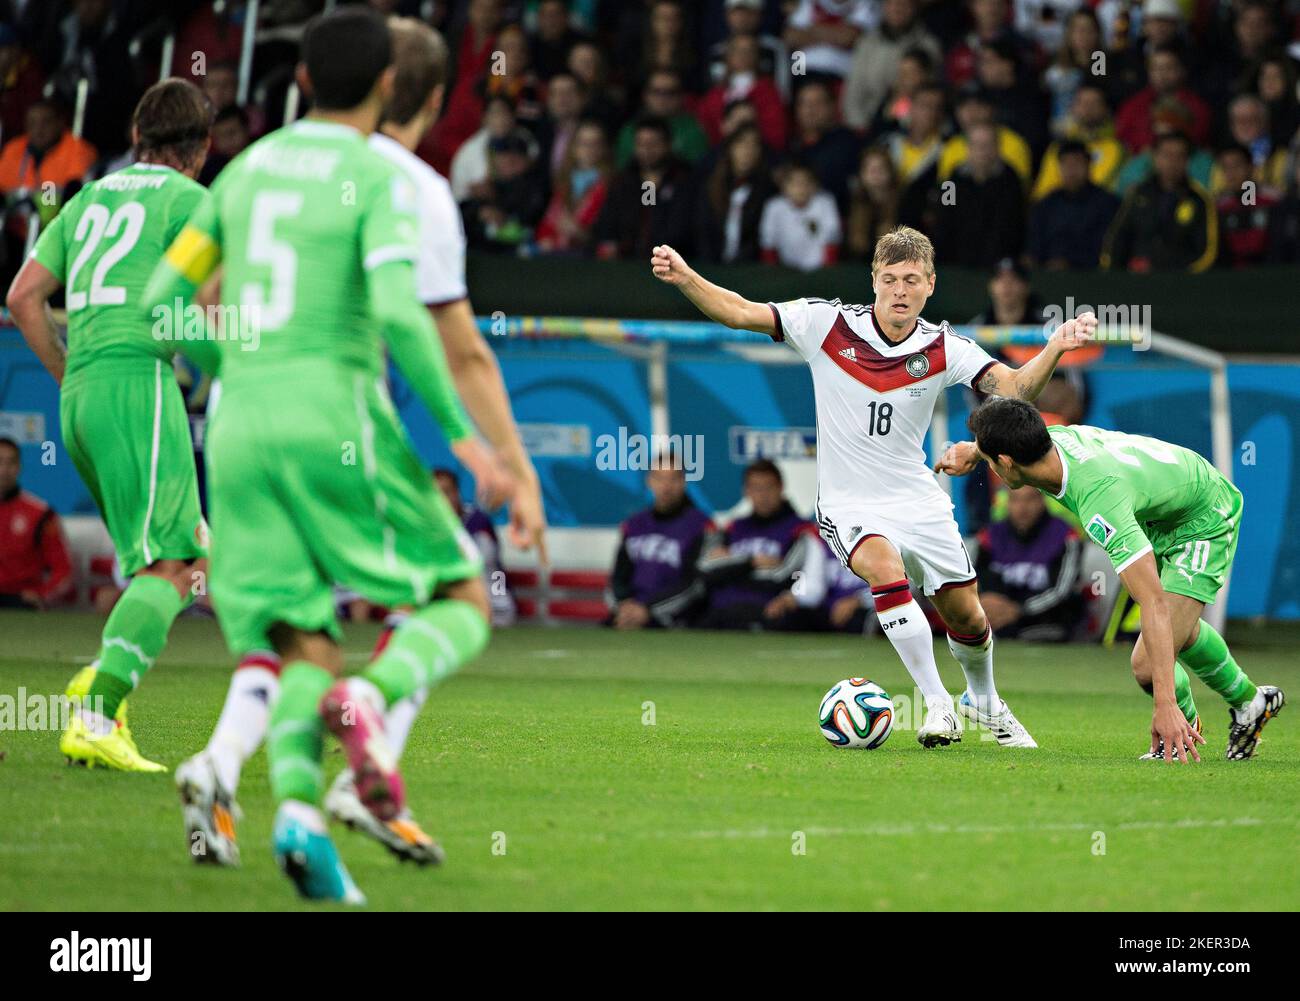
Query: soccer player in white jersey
pixel 877 371
pixel 211 777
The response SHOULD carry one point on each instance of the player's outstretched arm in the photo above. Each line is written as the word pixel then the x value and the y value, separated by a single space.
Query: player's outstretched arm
pixel 717 303
pixel 29 304
pixel 480 386
pixel 1156 647
pixel 1026 382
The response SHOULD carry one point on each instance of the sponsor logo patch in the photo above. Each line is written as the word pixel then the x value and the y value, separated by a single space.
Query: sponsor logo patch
pixel 1100 529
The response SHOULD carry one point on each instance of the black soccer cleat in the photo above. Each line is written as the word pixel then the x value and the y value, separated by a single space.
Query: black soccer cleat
pixel 1248 722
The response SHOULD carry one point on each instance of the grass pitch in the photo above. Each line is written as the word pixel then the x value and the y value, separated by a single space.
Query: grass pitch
pixel 538 770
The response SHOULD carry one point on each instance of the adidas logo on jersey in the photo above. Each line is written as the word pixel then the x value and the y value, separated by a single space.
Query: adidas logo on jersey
pixel 848 353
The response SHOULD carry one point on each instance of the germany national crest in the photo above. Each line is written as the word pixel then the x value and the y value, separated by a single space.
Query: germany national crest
pixel 918 365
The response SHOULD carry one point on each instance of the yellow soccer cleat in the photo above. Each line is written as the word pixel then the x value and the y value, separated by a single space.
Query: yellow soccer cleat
pixel 112 750
pixel 79 688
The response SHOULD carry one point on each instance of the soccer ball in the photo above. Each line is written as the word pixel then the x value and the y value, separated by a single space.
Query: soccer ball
pixel 856 713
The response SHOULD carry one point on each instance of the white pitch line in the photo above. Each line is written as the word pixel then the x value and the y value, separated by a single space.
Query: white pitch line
pixel 910 830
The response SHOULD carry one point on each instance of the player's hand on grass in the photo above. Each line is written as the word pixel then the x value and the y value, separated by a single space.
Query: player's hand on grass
pixel 631 614
pixel 958 459
pixel 1076 333
pixel 493 482
pixel 1170 725
pixel 843 610
pixel 780 606
pixel 668 265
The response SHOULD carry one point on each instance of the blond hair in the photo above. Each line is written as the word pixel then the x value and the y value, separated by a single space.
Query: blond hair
pixel 903 243
pixel 420 55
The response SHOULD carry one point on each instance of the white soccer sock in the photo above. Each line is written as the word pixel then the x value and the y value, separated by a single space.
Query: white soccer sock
pixel 906 626
pixel 977 664
pixel 244 718
pixel 401 717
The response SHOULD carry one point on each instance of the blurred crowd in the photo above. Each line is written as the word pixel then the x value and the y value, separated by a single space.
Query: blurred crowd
pixel 1127 134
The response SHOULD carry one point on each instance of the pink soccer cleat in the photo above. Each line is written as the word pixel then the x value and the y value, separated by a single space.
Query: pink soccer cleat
pixel 360 729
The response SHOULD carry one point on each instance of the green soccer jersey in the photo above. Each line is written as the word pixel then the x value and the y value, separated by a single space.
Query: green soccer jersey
pixel 103 247
pixel 1133 494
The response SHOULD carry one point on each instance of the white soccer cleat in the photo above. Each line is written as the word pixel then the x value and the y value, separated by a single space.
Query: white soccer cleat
pixel 1006 729
pixel 210 812
pixel 941 727
pixel 402 835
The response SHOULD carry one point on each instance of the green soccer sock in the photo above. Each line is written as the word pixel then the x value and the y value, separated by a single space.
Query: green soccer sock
pixel 431 644
pixel 134 636
pixel 1183 693
pixel 1210 660
pixel 296 734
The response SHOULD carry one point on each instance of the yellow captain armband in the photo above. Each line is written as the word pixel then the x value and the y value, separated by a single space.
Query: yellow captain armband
pixel 194 254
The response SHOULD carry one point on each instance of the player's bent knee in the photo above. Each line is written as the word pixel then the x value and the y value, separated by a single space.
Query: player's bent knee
pixel 472 592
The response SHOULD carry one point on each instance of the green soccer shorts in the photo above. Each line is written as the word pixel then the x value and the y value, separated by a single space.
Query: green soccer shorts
pixel 127 433
pixel 1195 558
pixel 316 485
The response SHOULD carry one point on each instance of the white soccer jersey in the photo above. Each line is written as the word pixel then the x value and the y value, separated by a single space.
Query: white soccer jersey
pixel 440 264
pixel 875 401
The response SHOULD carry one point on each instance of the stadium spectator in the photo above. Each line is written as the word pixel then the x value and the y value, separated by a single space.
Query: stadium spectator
pixel 1028 569
pixel 732 198
pixel 34 567
pixel 800 227
pixel 95 49
pixel 1068 227
pixel 477 41
pixel 1162 24
pixel 915 70
pixel 21 82
pixel 1043 22
pixel 1252 39
pixel 565 101
pixel 469 169
pixel 874 197
pixel 745 17
pixel 824 33
pixel 480 528
pixel 990 23
pixel 507 74
pixel 915 147
pixel 821 142
pixel 553 39
pixel 230 137
pixel 876 58
pixel 221 87
pixel 1275 83
pixel 1244 206
pixel 1248 126
pixel 578 193
pixel 1284 223
pixel 1168 117
pixel 1015 93
pixel 663 98
pixel 1012 301
pixel 604 99
pixel 656 38
pixel 503 214
pixel 1089 122
pixel 654 581
pixel 973 109
pixel 47 153
pixel 744 82
pixel 1167 222
pixel 1167 73
pixel 1074 64
pixel 984 219
pixel 631 224
pixel 754 559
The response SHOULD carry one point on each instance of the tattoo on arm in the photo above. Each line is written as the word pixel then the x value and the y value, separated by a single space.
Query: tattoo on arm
pixel 1024 389
pixel 988 382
